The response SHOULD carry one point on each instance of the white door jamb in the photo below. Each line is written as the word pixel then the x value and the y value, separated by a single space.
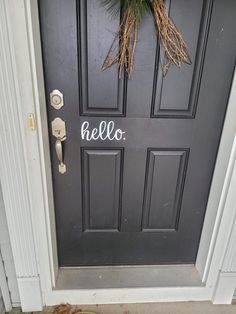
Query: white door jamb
pixel 4 287
pixel 27 185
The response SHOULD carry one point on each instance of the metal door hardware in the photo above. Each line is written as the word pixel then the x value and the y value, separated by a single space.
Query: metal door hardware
pixel 59 128
pixel 59 131
pixel 59 152
pixel 31 121
pixel 56 99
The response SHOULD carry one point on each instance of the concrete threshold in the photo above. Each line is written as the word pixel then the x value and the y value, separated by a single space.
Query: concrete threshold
pixel 128 277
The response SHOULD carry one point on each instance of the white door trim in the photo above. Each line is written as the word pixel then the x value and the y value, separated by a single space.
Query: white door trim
pixel 27 185
pixel 4 290
pixel 2 308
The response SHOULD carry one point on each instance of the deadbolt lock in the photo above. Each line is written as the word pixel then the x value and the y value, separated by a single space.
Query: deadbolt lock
pixel 56 99
pixel 59 131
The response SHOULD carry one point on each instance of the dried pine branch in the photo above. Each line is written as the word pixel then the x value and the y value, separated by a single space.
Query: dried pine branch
pixel 122 50
pixel 172 42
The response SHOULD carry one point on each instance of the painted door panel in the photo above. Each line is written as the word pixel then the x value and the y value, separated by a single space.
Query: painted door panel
pixel 138 197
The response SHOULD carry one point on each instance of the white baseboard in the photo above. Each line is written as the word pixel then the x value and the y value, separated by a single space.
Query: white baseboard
pixel 30 294
pixel 225 288
pixel 2 308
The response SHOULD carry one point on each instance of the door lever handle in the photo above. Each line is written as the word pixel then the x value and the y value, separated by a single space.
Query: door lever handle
pixel 59 131
pixel 59 152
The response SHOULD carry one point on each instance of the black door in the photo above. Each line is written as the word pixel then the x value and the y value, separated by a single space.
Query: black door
pixel 139 153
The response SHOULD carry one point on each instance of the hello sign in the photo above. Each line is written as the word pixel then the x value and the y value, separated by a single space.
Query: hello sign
pixel 105 131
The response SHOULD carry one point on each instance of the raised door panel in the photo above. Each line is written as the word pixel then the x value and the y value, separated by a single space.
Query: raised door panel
pixel 101 92
pixel 102 179
pixel 165 174
pixel 176 94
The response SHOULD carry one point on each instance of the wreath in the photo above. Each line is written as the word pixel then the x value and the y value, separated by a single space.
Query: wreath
pixel 122 49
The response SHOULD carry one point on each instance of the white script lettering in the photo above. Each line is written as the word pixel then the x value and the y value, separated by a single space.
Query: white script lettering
pixel 105 131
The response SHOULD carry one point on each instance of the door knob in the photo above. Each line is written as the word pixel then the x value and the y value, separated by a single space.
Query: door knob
pixel 59 131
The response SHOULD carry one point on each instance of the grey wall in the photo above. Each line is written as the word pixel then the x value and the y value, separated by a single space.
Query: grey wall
pixel 6 252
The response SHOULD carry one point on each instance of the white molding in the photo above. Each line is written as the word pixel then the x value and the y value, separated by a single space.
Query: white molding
pixel 229 263
pixel 7 257
pixel 14 167
pixel 39 156
pixel 128 295
pixel 225 288
pixel 226 281
pixel 26 171
pixel 219 187
pixel 31 86
pixel 227 212
pixel 4 290
pixel 2 308
pixel 30 294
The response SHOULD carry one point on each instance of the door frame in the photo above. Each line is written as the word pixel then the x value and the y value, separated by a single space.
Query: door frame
pixel 5 299
pixel 25 169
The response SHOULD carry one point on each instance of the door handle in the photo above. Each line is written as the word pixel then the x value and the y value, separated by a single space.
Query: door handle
pixel 59 152
pixel 59 131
